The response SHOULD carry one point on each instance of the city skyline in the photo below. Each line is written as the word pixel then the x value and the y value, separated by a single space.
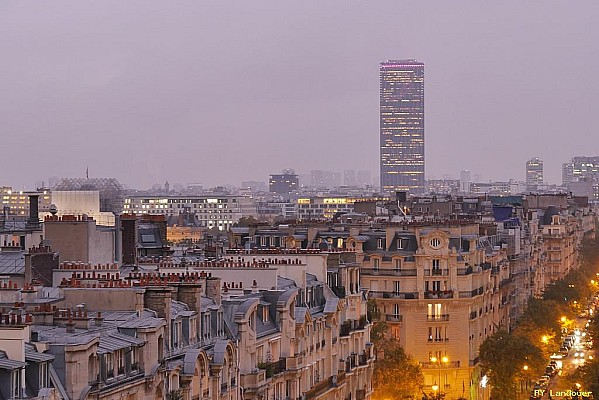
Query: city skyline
pixel 155 95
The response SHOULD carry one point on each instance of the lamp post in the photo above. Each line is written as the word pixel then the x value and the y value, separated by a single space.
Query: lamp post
pixel 438 361
pixel 525 369
pixel 435 388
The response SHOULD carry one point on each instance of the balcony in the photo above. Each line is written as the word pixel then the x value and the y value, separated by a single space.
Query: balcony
pixel 464 271
pixel 295 362
pixel 254 379
pixel 438 294
pixel 362 359
pixel 473 293
pixel 436 318
pixel 321 387
pixel 353 325
pixel 393 295
pixel 393 318
pixel 437 340
pixel 388 272
pixel 436 272
pixel 430 364
pixel 273 368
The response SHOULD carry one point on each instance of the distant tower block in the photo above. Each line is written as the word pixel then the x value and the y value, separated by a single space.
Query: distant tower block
pixel 402 126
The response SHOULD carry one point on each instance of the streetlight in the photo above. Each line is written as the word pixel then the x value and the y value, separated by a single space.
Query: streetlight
pixel 438 361
pixel 544 339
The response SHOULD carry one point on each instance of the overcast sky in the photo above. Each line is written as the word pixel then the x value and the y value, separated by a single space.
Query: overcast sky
pixel 220 92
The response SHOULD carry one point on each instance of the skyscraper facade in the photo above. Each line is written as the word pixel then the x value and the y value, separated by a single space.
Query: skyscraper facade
pixel 580 168
pixel 402 126
pixel 534 172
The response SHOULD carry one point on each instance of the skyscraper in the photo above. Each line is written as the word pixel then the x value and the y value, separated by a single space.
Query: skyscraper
pixel 534 173
pixel 402 126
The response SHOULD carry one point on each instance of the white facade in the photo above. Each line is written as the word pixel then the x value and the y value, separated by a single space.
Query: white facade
pixel 212 211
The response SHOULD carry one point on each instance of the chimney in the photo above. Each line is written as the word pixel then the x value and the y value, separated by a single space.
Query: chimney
pixel 34 219
pixel 98 320
pixel 70 326
pixel 213 289
pixel 118 239
pixel 158 299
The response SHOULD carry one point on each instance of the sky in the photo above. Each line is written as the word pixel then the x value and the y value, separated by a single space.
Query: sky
pixel 220 92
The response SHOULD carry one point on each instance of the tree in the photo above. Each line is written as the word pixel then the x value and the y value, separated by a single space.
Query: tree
pixel 396 375
pixel 504 355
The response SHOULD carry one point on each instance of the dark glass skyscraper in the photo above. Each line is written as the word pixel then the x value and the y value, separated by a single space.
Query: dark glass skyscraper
pixel 402 126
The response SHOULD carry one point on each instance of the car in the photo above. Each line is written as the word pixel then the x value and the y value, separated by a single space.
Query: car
pixel 553 363
pixel 544 380
pixel 579 354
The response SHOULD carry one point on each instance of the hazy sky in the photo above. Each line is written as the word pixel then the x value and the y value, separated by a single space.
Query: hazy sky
pixel 223 91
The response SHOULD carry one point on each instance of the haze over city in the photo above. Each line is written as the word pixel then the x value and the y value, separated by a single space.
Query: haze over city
pixel 223 92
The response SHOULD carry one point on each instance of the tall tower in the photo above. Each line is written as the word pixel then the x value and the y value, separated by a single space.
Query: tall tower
pixel 402 126
pixel 534 172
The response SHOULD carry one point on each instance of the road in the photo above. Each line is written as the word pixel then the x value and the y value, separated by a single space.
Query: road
pixel 569 363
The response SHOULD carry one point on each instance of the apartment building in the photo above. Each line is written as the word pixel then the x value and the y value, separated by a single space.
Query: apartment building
pixel 441 289
pixel 212 211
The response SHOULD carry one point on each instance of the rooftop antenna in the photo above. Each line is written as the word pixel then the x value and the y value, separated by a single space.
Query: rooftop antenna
pixel 87 172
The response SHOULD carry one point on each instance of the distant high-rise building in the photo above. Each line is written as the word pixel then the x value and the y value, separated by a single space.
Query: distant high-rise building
pixel 349 177
pixel 364 178
pixel 402 126
pixel 284 183
pixel 534 172
pixel 325 179
pixel 580 168
pixel 465 180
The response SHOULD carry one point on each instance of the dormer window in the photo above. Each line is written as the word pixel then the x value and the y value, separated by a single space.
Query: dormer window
pixel 16 384
pixel 264 314
pixel 376 263
pixel 43 375
pixel 380 243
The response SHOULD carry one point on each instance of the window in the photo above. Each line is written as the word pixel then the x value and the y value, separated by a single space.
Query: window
pixel 396 310
pixel 436 263
pixel 397 264
pixel 109 366
pixel 121 361
pixel 434 310
pixel 43 372
pixel 375 263
pixel 396 287
pixel 134 364
pixel 16 384
pixel 435 243
pixel 380 243
pixel 260 354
